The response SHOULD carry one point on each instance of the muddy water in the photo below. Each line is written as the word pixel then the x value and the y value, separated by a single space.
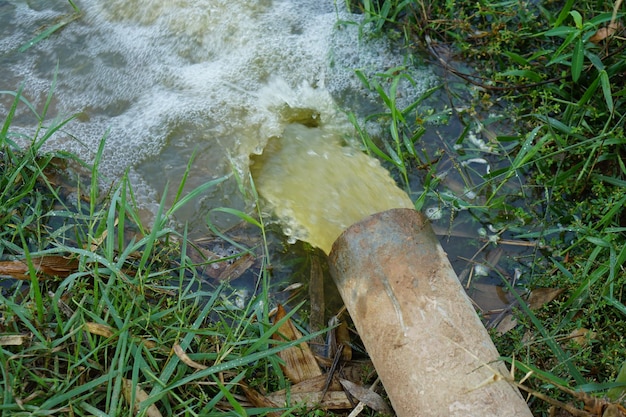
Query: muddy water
pixel 165 80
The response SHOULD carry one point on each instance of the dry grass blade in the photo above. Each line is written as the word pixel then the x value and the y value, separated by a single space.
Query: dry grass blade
pixel 178 350
pixel 140 395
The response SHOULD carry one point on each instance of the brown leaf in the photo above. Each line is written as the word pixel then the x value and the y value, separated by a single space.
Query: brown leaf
pixel 310 393
pixel 299 362
pixel 259 400
pixel 108 331
pixel 540 296
pixel 581 336
pixel 178 350
pixel 237 268
pixel 603 33
pixel 14 269
pixel 14 339
pixel 218 268
pixel 99 329
pixel 366 396
pixel 51 265
pixel 140 395
pixel 507 323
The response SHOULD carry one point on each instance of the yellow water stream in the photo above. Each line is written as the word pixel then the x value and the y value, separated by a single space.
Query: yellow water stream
pixel 318 186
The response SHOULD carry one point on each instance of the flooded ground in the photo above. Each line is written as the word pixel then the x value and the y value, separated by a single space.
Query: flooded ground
pixel 165 81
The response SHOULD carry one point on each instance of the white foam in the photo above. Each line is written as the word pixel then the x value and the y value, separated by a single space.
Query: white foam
pixel 163 77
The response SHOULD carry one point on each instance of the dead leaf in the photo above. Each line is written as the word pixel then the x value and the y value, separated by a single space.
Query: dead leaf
pixel 259 400
pixel 178 350
pixel 237 268
pixel 14 339
pixel 299 362
pixel 310 392
pixel 218 268
pixel 611 28
pixel 14 269
pixel 601 34
pixel 541 296
pixel 140 396
pixel 366 396
pixel 99 329
pixel 581 336
pixel 506 324
pixel 51 265
pixel 108 331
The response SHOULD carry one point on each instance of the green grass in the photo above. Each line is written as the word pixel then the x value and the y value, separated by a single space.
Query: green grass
pixel 564 93
pixel 135 294
pixel 55 27
pixel 74 343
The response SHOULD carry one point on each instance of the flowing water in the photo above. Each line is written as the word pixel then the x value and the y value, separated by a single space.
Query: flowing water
pixel 165 80
pixel 223 81
pixel 319 186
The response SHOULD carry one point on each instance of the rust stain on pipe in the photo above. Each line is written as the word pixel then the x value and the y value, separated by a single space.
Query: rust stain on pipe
pixel 420 329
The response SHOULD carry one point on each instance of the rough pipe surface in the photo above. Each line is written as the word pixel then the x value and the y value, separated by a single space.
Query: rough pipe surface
pixel 430 349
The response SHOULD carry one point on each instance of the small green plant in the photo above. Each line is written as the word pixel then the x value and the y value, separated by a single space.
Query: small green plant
pixel 59 25
pixel 26 192
pixel 381 12
pixel 558 70
pixel 397 147
pixel 128 325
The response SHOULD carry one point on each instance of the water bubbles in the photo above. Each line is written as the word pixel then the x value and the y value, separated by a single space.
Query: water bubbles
pixel 433 213
pixel 474 161
pixel 240 298
pixel 479 143
pixel 469 194
pixel 481 270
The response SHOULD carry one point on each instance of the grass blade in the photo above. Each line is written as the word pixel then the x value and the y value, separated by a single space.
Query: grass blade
pixel 606 90
pixel 577 60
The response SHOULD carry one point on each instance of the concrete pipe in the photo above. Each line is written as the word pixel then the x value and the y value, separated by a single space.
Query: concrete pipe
pixel 432 353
